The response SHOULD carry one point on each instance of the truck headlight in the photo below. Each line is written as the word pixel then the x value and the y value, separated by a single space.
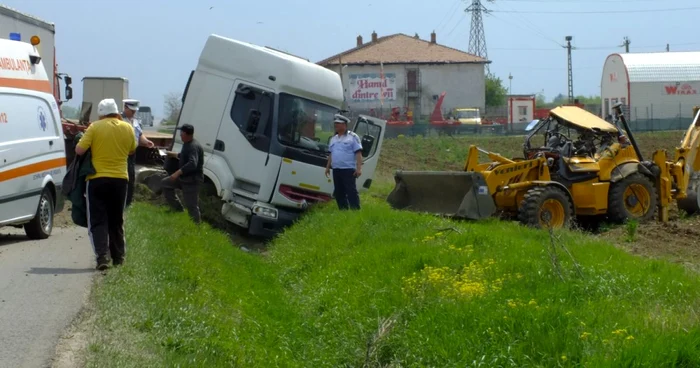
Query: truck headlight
pixel 265 212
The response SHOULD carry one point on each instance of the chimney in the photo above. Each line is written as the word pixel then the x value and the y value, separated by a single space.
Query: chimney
pixel 374 36
pixel 359 40
pixel 433 37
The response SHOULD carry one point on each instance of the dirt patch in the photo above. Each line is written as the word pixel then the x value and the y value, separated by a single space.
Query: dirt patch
pixel 63 218
pixel 677 241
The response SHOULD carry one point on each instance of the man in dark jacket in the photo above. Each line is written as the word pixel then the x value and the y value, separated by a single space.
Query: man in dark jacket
pixel 188 177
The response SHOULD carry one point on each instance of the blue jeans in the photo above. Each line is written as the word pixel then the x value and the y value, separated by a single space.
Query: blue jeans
pixel 346 189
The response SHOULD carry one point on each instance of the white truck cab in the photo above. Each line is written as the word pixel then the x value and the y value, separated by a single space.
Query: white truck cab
pixel 32 149
pixel 264 119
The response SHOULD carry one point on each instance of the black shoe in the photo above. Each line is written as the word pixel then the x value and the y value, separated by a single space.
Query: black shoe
pixel 118 262
pixel 102 263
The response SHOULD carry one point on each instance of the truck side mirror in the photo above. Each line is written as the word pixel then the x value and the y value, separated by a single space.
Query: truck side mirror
pixel 251 125
pixel 68 80
pixel 367 144
pixel 69 93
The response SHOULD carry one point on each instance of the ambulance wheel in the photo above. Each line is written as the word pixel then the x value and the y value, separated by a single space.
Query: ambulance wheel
pixel 545 207
pixel 41 225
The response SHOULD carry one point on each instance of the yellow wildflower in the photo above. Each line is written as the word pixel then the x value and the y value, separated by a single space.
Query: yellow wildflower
pixel 620 332
pixel 630 337
pixel 512 304
pixel 563 358
pixel 585 335
pixel 532 302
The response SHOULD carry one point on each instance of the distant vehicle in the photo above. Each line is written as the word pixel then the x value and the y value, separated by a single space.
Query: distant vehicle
pixel 95 89
pixel 32 150
pixel 144 116
pixel 467 116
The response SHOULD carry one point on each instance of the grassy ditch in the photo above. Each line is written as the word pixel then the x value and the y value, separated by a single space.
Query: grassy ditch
pixel 382 287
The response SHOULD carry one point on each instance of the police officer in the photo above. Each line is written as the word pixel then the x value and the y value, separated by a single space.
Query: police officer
pixel 346 161
pixel 130 108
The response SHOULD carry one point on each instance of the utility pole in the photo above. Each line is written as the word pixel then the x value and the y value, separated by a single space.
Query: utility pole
pixel 668 47
pixel 510 84
pixel 626 43
pixel 477 36
pixel 571 74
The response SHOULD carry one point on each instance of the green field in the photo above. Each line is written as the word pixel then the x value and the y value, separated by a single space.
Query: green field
pixel 380 288
pixel 386 288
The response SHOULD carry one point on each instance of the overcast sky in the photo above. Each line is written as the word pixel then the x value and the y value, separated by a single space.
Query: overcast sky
pixel 156 43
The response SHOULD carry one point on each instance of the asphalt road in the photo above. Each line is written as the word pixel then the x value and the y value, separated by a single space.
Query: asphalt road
pixel 43 285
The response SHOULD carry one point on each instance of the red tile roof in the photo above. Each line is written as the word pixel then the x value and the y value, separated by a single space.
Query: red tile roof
pixel 402 49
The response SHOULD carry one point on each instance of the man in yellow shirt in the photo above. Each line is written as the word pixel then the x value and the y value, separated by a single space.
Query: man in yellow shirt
pixel 111 141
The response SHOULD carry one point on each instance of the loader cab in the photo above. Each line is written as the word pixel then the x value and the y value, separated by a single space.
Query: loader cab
pixel 575 143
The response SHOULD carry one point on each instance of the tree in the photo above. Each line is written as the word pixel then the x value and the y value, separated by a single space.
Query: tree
pixel 172 107
pixel 541 100
pixel 560 100
pixel 495 91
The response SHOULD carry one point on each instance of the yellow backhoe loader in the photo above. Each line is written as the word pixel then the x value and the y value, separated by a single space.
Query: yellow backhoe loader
pixel 583 166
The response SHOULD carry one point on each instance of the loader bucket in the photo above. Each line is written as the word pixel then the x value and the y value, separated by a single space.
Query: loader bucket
pixel 455 194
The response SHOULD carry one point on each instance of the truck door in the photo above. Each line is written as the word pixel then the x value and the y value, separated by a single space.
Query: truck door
pixel 371 132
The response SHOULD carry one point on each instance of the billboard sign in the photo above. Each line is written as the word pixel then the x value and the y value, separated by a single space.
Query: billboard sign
pixel 370 87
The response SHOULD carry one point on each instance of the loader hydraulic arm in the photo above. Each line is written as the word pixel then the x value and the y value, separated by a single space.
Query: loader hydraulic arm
pixel 472 162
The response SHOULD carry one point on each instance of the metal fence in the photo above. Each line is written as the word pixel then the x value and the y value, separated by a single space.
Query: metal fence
pixel 654 117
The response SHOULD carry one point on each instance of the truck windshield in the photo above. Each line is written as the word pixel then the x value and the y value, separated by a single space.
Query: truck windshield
pixel 304 123
pixel 467 114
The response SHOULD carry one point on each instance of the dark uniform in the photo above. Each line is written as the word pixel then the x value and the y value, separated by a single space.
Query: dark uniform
pixel 192 165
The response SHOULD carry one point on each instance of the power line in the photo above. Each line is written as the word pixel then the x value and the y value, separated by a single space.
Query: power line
pixel 600 11
pixel 578 1
pixel 529 24
pixel 450 13
pixel 594 48
pixel 531 29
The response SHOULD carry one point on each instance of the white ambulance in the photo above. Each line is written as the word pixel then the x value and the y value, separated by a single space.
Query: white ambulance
pixel 32 150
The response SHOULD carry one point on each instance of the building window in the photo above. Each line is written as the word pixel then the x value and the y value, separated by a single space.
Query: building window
pixel 607 108
pixel 412 80
pixel 522 110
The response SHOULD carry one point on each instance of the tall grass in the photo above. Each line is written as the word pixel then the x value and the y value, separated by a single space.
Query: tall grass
pixel 380 287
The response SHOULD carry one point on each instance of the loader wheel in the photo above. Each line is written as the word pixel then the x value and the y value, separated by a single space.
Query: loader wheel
pixel 633 197
pixel 545 207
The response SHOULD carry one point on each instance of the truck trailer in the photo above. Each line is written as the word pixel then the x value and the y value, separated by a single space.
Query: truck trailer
pixel 95 89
